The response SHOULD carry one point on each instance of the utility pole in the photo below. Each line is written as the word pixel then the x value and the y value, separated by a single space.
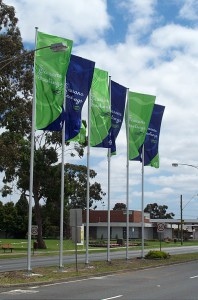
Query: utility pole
pixel 181 210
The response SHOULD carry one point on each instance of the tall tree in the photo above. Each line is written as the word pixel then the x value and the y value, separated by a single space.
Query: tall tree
pixel 158 211
pixel 75 192
pixel 22 217
pixel 75 186
pixel 16 83
pixel 10 215
pixel 119 206
pixel 1 216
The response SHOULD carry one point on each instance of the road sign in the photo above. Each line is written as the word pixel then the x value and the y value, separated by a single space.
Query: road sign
pixel 34 230
pixel 125 212
pixel 75 217
pixel 76 234
pixel 160 227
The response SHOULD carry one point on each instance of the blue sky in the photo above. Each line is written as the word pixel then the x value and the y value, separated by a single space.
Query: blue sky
pixel 149 46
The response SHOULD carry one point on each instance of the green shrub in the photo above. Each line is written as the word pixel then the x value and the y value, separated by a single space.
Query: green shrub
pixel 154 254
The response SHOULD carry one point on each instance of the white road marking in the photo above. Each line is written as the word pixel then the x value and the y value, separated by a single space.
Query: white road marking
pixel 194 277
pixel 18 292
pixel 64 282
pixel 77 280
pixel 113 297
pixel 98 277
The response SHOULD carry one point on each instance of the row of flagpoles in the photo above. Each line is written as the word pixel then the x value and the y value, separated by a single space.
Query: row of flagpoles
pixel 62 83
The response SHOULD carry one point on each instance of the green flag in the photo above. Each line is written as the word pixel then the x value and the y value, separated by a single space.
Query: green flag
pixel 138 114
pixel 81 136
pixel 50 74
pixel 100 107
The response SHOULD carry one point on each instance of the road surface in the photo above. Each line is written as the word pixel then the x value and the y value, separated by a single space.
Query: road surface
pixel 13 264
pixel 173 282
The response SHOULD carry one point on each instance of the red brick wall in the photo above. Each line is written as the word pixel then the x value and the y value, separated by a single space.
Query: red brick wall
pixel 97 216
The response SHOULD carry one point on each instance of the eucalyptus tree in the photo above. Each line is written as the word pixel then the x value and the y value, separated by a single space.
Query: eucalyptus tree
pixel 158 211
pixel 16 85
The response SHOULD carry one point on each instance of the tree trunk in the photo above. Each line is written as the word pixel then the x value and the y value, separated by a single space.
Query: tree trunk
pixel 41 242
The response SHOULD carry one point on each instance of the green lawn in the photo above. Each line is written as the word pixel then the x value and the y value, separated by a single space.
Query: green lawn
pixel 53 245
pixel 20 246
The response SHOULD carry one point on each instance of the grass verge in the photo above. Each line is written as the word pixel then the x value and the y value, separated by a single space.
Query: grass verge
pixel 53 274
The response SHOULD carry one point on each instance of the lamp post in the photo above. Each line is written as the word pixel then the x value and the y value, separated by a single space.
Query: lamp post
pixel 177 165
pixel 181 212
pixel 181 201
pixel 57 47
pixel 53 47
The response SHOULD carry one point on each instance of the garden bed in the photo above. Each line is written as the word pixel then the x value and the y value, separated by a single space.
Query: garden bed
pixel 104 245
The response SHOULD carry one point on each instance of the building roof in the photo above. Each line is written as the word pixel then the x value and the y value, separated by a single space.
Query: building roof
pixel 101 216
pixel 119 216
pixel 175 221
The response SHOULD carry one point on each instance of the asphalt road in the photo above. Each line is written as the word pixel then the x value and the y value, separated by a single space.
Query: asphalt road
pixel 174 282
pixel 13 264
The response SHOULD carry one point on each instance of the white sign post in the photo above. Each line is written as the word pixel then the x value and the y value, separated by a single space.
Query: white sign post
pixel 34 230
pixel 160 229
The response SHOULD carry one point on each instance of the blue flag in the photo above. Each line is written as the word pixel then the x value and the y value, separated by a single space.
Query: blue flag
pixel 151 155
pixel 118 99
pixel 78 84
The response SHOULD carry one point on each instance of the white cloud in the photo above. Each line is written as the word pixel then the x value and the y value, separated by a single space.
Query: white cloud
pixel 189 10
pixel 72 19
pixel 164 65
pixel 140 14
pixel 175 39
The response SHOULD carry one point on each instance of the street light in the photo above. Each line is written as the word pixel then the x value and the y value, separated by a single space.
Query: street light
pixel 181 213
pixel 177 165
pixel 181 201
pixel 57 47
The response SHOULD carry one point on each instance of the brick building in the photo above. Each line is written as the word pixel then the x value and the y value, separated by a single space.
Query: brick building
pixel 98 223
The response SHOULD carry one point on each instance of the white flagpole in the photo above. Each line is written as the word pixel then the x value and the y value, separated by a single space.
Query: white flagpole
pixel 109 212
pixel 88 163
pixel 127 184
pixel 109 191
pixel 142 251
pixel 62 190
pixel 29 269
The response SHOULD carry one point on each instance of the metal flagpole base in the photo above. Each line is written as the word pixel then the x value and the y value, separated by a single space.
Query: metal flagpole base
pixel 29 273
pixel 61 269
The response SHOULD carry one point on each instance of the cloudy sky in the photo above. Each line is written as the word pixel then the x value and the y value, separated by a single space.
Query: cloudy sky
pixel 151 47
